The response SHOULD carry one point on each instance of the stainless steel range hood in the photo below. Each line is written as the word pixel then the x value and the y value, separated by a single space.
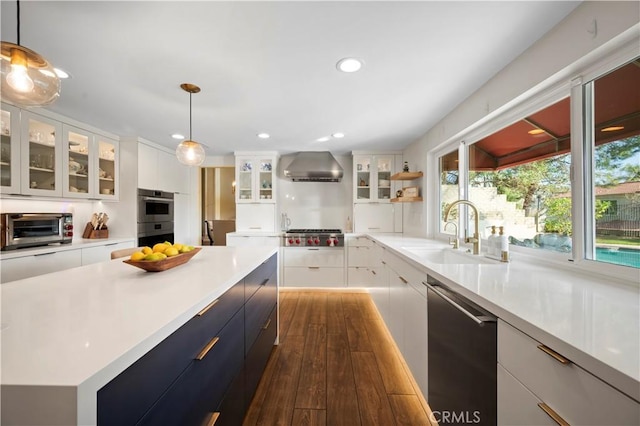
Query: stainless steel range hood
pixel 314 166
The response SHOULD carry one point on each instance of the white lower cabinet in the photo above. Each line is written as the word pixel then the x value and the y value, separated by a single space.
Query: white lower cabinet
pixel 314 267
pixel 359 276
pixel 558 386
pixel 407 315
pixel 102 253
pixel 358 261
pixel 38 264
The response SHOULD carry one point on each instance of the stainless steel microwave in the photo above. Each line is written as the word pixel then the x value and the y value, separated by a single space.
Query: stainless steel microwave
pixel 35 229
pixel 155 206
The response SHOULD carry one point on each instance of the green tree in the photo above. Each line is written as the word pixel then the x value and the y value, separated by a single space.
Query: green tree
pixel 558 214
pixel 610 158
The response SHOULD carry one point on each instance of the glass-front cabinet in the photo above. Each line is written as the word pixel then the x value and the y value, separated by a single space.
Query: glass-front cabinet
pixel 78 180
pixel 107 167
pixel 41 155
pixel 9 149
pixel 255 179
pixel 372 178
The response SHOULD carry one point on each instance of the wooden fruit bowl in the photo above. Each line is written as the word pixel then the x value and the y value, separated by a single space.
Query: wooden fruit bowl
pixel 164 264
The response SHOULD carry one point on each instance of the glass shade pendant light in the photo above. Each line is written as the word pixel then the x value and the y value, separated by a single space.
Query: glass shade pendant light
pixel 27 78
pixel 190 152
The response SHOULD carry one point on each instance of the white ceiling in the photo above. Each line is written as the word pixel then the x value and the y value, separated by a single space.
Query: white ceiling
pixel 270 66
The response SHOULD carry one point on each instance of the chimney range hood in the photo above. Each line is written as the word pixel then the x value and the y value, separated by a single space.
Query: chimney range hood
pixel 314 166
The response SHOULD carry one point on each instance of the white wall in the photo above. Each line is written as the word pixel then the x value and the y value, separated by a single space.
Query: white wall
pixel 554 59
pixel 316 204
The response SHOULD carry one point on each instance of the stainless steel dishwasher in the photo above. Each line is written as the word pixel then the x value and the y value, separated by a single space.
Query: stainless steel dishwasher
pixel 462 358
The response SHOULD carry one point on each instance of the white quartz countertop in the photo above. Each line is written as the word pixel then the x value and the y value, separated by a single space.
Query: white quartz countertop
pixel 75 245
pixel 592 320
pixel 86 325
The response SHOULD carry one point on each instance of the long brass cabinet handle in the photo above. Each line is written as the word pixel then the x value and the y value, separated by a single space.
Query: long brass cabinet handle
pixel 266 280
pixel 403 280
pixel 206 308
pixel 313 267
pixel 207 348
pixel 553 354
pixel 373 272
pixel 267 324
pixel 213 418
pixel 555 416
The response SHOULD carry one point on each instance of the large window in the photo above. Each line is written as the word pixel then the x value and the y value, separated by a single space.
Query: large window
pixel 520 177
pixel 613 136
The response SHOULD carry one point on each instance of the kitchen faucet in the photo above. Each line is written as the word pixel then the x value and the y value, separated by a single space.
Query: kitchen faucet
pixel 476 236
pixel 453 240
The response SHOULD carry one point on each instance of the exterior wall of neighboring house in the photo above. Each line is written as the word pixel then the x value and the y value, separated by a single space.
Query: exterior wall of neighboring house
pixel 623 216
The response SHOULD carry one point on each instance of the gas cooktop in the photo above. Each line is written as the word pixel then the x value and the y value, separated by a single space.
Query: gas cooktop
pixel 313 237
pixel 314 231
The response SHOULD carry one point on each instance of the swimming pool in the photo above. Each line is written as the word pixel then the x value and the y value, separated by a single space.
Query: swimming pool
pixel 619 256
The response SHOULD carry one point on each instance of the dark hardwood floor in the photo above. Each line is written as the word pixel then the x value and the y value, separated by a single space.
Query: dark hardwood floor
pixel 336 365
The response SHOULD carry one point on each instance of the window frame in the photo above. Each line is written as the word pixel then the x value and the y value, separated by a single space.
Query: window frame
pixel 582 163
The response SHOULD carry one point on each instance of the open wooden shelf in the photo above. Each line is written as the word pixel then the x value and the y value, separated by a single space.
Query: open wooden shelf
pixel 406 176
pixel 406 199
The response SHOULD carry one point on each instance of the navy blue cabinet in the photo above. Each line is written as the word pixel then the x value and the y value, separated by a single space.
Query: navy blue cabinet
pixel 208 367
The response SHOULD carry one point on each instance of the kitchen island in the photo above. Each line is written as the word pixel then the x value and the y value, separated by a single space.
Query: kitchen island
pixel 67 334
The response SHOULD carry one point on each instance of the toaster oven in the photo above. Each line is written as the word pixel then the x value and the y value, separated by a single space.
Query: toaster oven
pixel 35 229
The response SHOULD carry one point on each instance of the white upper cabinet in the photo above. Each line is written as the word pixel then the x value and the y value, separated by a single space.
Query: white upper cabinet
pixel 41 155
pixel 372 178
pixel 161 170
pixel 256 178
pixel 10 149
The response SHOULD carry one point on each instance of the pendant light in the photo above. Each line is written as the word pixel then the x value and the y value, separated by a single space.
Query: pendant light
pixel 190 152
pixel 27 78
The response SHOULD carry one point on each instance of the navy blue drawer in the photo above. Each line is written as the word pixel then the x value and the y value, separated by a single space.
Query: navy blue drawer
pixel 258 276
pixel 258 355
pixel 258 309
pixel 200 389
pixel 125 399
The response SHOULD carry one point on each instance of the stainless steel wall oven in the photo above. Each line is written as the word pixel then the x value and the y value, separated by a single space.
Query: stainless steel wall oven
pixel 155 217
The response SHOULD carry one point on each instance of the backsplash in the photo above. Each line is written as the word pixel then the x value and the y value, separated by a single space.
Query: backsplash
pixel 316 204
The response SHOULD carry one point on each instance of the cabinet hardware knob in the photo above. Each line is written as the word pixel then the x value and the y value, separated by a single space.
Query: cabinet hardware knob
pixel 555 416
pixel 553 354
pixel 206 308
pixel 267 324
pixel 207 348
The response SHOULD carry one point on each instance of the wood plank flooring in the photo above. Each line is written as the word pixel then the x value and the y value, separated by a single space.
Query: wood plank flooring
pixel 336 365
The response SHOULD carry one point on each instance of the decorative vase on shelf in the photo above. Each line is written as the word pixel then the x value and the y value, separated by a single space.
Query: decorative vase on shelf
pixel 406 167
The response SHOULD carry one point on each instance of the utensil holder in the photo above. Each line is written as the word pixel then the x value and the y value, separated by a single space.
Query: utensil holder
pixel 91 233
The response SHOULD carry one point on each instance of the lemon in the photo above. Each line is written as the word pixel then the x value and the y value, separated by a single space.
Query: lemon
pixel 177 246
pixel 171 251
pixel 137 255
pixel 160 248
pixel 146 250
pixel 161 256
pixel 185 249
pixel 153 257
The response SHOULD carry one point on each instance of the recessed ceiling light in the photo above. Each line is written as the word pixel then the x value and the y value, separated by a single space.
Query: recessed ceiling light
pixel 536 132
pixel 177 136
pixel 612 128
pixel 338 135
pixel 323 139
pixel 264 135
pixel 349 64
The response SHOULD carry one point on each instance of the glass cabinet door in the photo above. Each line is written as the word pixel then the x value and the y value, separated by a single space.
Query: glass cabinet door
pixel 363 179
pixel 41 159
pixel 265 180
pixel 107 169
pixel 244 183
pixel 383 168
pixel 9 149
pixel 78 145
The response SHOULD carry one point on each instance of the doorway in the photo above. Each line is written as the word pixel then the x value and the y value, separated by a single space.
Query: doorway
pixel 218 204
